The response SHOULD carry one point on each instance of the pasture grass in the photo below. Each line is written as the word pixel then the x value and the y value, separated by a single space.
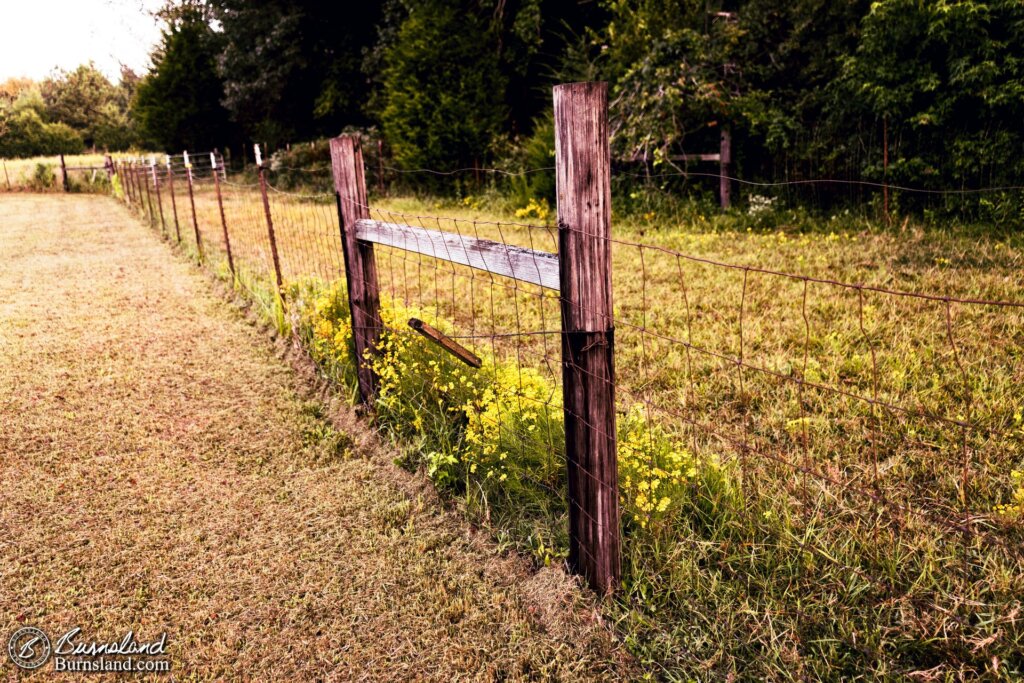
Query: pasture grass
pixel 818 481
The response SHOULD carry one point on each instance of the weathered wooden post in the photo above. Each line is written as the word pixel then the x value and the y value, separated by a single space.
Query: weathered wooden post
pixel 223 218
pixel 583 182
pixel 159 199
pixel 7 177
pixel 270 221
pixel 174 203
pixel 192 201
pixel 64 174
pixel 724 162
pixel 126 173
pixel 360 266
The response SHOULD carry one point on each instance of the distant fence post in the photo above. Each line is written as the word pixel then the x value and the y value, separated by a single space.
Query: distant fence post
pixel 724 162
pixel 64 174
pixel 223 218
pixel 159 198
pixel 192 201
pixel 270 221
pixel 360 266
pixel 149 196
pixel 174 203
pixel 583 182
pixel 127 181
pixel 7 177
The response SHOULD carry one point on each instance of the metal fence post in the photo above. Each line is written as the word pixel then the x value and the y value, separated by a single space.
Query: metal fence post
pixel 223 218
pixel 174 203
pixel 270 221
pixel 159 199
pixel 148 208
pixel 192 201
pixel 583 182
pixel 360 265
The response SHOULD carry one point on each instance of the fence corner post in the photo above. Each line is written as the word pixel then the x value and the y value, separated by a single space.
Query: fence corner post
pixel 583 183
pixel 360 266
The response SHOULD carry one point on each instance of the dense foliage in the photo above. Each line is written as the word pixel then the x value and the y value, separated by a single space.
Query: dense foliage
pixel 925 93
pixel 65 113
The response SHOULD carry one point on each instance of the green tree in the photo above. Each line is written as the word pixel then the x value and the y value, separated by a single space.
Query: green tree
pixel 177 104
pixel 292 69
pixel 443 90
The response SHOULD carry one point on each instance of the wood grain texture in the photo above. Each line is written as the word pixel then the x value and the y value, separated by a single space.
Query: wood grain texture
pixel 360 265
pixel 518 263
pixel 583 183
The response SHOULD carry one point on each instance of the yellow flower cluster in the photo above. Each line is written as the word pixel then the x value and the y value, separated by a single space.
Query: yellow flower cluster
pixel 654 472
pixel 535 209
pixel 1016 507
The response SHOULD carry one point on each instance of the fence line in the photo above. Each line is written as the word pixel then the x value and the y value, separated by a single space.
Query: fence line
pixel 868 415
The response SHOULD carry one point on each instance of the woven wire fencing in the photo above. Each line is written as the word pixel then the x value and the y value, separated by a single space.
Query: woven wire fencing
pixel 832 463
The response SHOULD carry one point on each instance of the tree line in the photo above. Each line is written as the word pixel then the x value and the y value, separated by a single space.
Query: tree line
pixel 924 92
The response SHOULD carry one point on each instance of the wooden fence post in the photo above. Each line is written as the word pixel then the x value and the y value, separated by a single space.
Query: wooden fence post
pixel 192 201
pixel 223 218
pixel 270 221
pixel 583 182
pixel 159 199
pixel 360 265
pixel 174 203
pixel 7 177
pixel 64 174
pixel 724 162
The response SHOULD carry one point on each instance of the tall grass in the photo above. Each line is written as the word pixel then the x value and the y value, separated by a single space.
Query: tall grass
pixel 776 524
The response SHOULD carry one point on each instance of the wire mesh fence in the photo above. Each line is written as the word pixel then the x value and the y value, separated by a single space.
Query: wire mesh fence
pixel 782 432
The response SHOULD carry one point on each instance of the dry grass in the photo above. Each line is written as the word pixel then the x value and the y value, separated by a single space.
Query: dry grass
pixel 163 469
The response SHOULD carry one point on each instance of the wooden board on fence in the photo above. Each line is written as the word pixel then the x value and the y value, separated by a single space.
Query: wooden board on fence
pixel 520 263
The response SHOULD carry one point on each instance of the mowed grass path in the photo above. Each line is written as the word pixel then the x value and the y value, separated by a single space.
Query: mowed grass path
pixel 164 469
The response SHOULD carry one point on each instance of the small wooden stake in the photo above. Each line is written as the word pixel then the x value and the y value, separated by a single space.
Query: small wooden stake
pixel 583 182
pixel 7 177
pixel 360 266
pixel 445 342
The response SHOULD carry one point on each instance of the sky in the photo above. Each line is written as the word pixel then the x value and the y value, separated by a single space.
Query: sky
pixel 37 36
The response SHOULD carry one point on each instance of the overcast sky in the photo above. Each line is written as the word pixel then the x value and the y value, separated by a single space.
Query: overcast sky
pixel 37 36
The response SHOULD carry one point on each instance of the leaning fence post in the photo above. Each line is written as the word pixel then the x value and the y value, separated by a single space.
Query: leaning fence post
pixel 159 199
pixel 270 221
pixel 583 182
pixel 192 201
pixel 174 203
pixel 360 266
pixel 128 191
pixel 223 218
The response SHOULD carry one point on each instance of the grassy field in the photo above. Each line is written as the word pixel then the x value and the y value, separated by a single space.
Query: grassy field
pixel 818 480
pixel 165 469
pixel 42 174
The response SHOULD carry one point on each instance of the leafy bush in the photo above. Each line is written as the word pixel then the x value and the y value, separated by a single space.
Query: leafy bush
pixel 43 178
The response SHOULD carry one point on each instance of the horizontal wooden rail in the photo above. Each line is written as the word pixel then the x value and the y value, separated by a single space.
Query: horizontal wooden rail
pixel 519 263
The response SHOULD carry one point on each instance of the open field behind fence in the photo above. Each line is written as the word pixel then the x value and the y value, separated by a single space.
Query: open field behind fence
pixel 820 436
